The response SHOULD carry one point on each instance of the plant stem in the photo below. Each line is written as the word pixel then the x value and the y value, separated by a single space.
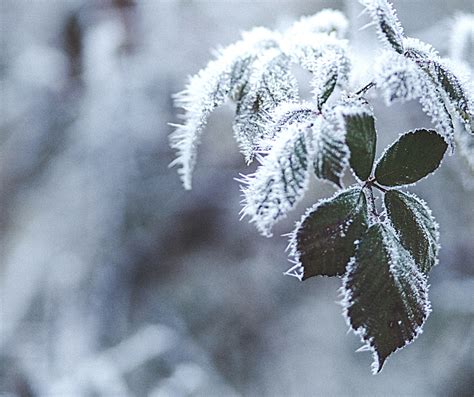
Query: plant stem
pixel 364 89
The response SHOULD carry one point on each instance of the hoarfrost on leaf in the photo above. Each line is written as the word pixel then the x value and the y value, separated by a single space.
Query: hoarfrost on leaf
pixel 209 89
pixel 401 79
pixel 415 226
pixel 331 155
pixel 389 29
pixel 385 295
pixel 270 83
pixel 324 240
pixel 280 181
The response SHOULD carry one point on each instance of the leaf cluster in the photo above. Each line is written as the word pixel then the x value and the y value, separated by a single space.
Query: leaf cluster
pixel 383 255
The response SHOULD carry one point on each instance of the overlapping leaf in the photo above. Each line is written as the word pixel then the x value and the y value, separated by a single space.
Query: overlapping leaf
pixel 226 76
pixel 325 239
pixel 412 157
pixel 415 226
pixel 270 83
pixel 385 295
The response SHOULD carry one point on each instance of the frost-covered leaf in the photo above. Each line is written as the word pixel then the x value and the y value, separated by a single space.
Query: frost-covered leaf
pixel 415 226
pixel 283 116
pixel 330 70
pixel 401 79
pixel 330 150
pixel 389 29
pixel 208 89
pixel 385 295
pixel 324 240
pixel 280 181
pixel 413 156
pixel 270 83
pixel 361 137
pixel 442 72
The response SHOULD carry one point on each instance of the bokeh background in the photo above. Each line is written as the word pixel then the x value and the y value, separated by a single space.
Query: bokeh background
pixel 117 282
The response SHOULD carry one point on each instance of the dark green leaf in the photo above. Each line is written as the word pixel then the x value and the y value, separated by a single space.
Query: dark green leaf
pixel 412 157
pixel 386 296
pixel 361 138
pixel 327 89
pixel 416 227
pixel 324 240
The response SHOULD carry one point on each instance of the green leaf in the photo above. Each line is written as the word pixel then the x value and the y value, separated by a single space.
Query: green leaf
pixel 386 296
pixel 330 150
pixel 415 226
pixel 327 89
pixel 324 240
pixel 361 138
pixel 412 157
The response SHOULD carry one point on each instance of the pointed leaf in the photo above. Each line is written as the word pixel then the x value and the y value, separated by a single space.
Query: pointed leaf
pixel 324 240
pixel 270 83
pixel 415 226
pixel 386 296
pixel 389 28
pixel 361 138
pixel 280 181
pixel 330 150
pixel 412 157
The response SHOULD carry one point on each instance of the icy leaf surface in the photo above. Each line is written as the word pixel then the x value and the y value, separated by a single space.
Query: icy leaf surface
pixel 389 28
pixel 401 79
pixel 415 226
pixel 280 181
pixel 454 89
pixel 331 154
pixel 324 240
pixel 361 138
pixel 282 117
pixel 208 89
pixel 386 296
pixel 270 83
pixel 412 157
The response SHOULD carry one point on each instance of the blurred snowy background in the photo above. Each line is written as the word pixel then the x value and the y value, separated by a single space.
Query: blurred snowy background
pixel 114 281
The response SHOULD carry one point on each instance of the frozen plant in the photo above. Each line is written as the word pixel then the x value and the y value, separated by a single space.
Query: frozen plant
pixel 383 256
